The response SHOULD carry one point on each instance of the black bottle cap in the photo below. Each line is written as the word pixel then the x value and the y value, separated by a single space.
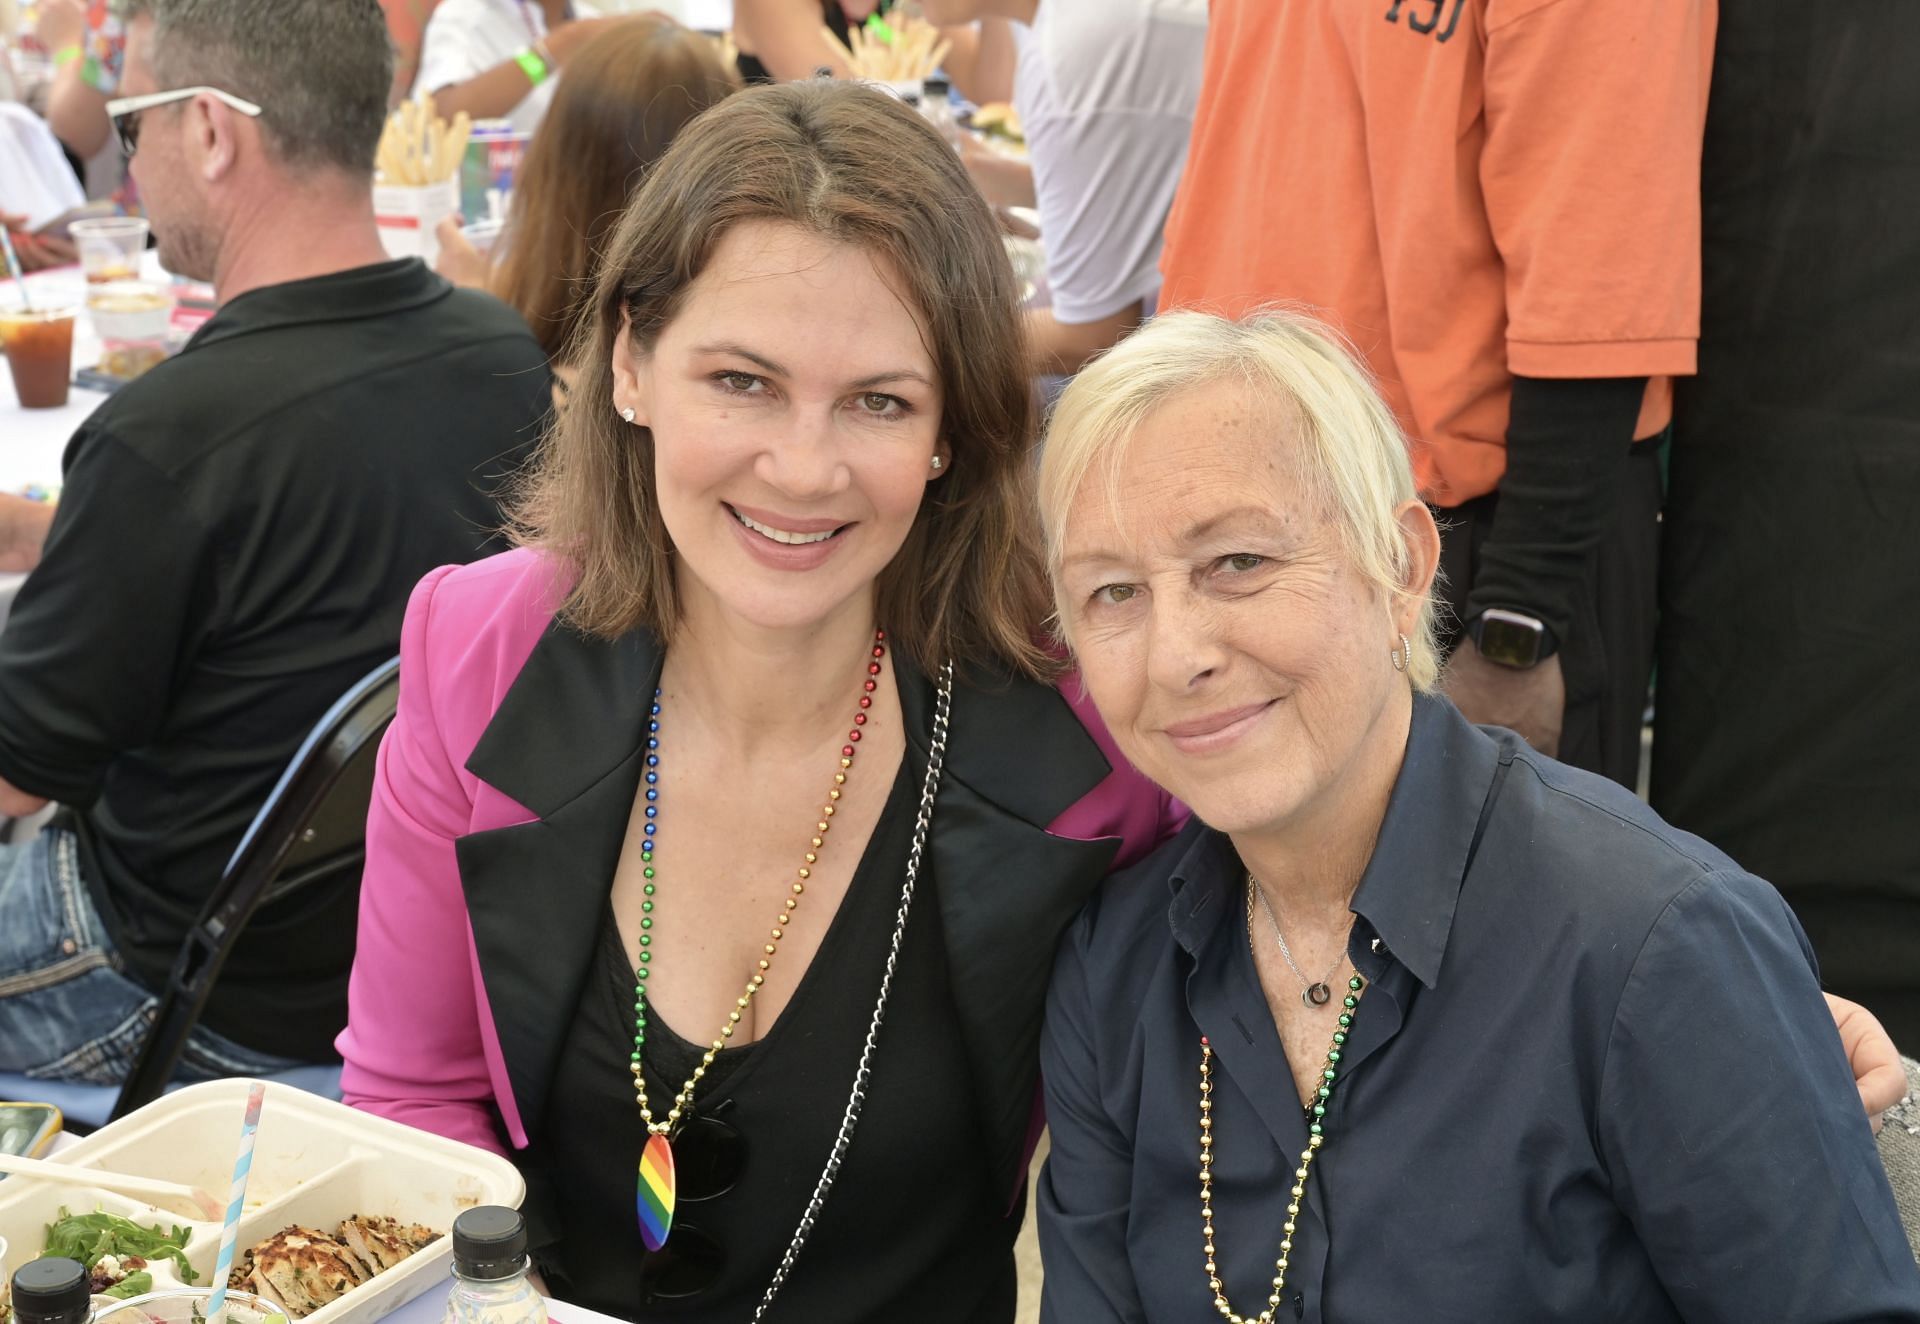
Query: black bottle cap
pixel 937 85
pixel 52 1289
pixel 489 1241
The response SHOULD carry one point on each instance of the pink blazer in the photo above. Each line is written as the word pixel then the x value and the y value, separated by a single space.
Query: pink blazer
pixel 422 1045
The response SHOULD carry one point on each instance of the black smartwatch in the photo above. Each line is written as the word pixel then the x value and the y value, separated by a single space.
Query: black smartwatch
pixel 1512 638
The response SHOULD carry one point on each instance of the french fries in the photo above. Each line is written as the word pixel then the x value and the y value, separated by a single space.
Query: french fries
pixel 916 50
pixel 418 147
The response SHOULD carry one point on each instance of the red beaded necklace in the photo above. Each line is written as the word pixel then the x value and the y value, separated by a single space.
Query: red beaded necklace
pixel 654 1199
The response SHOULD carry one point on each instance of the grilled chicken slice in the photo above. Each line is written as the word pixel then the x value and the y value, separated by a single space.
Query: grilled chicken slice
pixel 307 1269
pixel 382 1242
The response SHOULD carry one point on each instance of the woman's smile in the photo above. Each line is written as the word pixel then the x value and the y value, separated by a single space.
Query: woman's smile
pixel 1217 731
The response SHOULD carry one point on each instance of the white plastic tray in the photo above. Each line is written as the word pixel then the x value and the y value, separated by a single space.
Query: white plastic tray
pixel 315 1162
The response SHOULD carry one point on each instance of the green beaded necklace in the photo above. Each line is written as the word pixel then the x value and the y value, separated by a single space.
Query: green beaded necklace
pixel 1316 1136
pixel 655 1190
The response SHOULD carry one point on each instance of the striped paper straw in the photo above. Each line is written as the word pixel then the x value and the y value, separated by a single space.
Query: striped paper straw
pixel 243 1164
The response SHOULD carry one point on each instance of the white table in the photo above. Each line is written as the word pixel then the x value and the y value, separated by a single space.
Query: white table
pixel 33 440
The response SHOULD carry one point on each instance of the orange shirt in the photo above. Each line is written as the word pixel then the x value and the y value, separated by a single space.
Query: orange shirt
pixel 1469 189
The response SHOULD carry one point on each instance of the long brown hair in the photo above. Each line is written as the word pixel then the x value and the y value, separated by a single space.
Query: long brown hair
pixel 625 95
pixel 857 166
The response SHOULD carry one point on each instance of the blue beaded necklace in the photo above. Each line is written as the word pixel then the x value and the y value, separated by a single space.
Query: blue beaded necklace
pixel 654 1196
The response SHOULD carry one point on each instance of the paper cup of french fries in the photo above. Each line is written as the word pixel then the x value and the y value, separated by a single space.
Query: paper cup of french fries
pixel 417 179
pixel 897 53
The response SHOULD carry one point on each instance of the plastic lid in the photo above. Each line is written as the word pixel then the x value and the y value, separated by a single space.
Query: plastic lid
pixel 937 85
pixel 52 1288
pixel 489 1241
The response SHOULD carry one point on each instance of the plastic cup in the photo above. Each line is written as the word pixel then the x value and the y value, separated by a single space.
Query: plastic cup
pixel 39 346
pixel 130 317
pixel 184 1305
pixel 110 247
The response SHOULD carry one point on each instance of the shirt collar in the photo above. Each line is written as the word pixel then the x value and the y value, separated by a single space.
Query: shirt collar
pixel 379 290
pixel 1412 883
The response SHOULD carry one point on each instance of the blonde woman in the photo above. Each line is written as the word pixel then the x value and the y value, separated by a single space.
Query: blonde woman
pixel 1413 1022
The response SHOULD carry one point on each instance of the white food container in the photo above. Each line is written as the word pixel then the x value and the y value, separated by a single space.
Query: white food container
pixel 406 216
pixel 315 1162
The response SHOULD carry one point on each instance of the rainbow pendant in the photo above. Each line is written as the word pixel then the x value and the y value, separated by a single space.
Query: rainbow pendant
pixel 654 1197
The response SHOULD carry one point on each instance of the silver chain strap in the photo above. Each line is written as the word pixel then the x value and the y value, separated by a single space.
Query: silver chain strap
pixel 936 758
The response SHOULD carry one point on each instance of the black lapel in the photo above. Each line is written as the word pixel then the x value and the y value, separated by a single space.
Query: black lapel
pixel 566 743
pixel 1017 758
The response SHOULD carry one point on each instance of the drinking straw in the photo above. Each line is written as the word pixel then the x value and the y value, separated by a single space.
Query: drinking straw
pixel 242 1164
pixel 13 267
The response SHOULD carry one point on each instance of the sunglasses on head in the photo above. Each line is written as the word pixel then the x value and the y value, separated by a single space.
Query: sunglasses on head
pixel 125 112
pixel 708 1157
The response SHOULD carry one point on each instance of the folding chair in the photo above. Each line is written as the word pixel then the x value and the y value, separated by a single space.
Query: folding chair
pixel 311 830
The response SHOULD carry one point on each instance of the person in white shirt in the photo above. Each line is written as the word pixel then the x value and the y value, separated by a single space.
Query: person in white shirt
pixel 497 59
pixel 1106 92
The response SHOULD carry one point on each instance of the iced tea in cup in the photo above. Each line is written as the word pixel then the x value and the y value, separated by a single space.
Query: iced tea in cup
pixel 39 347
pixel 186 1305
pixel 110 247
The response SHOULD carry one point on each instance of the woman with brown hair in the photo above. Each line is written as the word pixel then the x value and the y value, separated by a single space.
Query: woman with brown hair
pixel 625 96
pixel 751 742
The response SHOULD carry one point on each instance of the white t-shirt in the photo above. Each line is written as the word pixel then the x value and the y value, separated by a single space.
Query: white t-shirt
pixel 1106 91
pixel 469 37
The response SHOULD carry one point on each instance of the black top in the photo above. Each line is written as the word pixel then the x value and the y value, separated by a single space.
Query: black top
pixel 832 17
pixel 234 547
pixel 1593 1080
pixel 914 1166
pixel 1796 463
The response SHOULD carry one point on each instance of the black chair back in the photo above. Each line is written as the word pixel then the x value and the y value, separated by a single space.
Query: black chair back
pixel 312 829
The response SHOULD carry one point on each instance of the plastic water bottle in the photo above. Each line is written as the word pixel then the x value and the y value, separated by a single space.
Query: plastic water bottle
pixel 52 1291
pixel 490 1270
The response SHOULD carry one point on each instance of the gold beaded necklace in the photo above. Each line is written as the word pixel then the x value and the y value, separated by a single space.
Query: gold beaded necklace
pixel 655 1192
pixel 1316 1136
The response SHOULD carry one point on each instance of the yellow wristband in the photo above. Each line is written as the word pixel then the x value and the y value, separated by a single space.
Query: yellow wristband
pixel 66 55
pixel 532 66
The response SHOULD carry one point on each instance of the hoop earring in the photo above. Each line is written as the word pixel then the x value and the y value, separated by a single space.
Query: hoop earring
pixel 1402 655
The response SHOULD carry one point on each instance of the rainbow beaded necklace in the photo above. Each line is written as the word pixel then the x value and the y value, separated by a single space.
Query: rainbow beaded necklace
pixel 654 1195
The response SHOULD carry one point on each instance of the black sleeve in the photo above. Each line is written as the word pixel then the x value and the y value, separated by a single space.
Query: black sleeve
pixel 104 625
pixel 1566 441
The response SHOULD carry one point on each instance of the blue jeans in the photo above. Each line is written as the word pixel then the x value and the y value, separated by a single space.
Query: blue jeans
pixel 67 1010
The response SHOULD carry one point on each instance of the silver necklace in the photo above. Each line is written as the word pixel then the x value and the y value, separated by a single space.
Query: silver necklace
pixel 1314 994
pixel 923 821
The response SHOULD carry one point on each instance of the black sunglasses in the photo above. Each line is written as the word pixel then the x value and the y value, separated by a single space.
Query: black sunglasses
pixel 127 130
pixel 708 1158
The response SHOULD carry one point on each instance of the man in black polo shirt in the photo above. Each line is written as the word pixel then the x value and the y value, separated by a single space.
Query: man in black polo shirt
pixel 237 536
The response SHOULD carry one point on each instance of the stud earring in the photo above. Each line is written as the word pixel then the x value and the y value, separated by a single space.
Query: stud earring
pixel 938 464
pixel 627 414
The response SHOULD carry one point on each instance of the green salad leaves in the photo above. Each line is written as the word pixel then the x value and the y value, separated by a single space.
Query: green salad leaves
pixel 134 1284
pixel 87 1237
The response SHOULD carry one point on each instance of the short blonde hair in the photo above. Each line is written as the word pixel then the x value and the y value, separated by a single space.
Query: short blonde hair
pixel 1351 454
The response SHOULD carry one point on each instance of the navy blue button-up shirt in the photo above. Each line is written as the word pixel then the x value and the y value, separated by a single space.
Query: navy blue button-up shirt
pixel 1593 1079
